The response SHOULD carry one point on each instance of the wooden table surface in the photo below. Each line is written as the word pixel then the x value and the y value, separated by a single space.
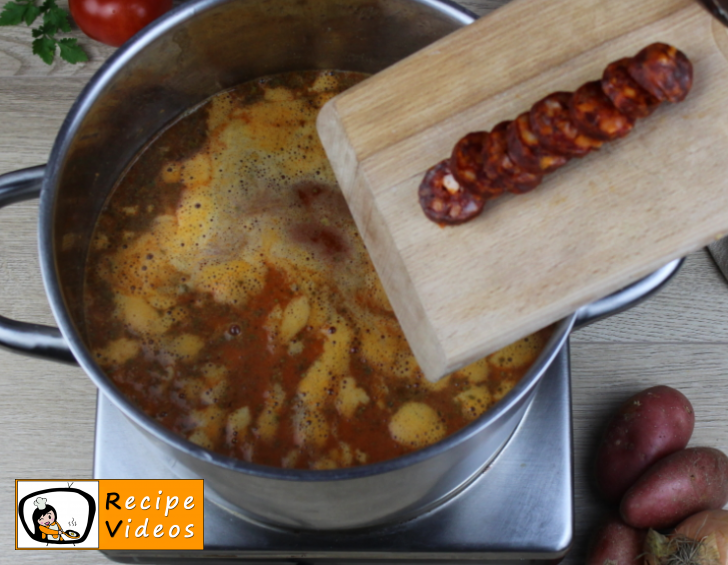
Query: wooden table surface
pixel 678 337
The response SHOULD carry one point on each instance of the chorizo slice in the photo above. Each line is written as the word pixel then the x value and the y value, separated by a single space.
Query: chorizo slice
pixel 501 169
pixel 444 200
pixel 625 92
pixel 466 163
pixel 663 70
pixel 594 114
pixel 525 151
pixel 555 130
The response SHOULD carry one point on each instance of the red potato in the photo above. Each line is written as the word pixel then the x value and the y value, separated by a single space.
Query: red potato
pixel 615 543
pixel 676 487
pixel 648 426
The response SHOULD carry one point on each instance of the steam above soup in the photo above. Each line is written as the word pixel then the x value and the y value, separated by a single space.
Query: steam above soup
pixel 229 295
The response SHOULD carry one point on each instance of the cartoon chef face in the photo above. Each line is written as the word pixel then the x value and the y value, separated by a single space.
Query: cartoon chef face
pixel 47 519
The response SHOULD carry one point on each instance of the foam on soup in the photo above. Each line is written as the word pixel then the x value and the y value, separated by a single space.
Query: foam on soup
pixel 229 295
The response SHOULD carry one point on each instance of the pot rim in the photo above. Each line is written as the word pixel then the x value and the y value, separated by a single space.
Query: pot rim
pixel 68 130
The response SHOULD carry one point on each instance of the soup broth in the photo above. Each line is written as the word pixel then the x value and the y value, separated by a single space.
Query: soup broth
pixel 229 295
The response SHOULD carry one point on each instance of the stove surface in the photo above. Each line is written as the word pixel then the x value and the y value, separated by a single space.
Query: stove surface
pixel 519 509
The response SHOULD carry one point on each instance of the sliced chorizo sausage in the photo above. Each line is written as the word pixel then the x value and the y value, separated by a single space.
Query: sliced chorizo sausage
pixel 525 151
pixel 663 70
pixel 501 169
pixel 444 200
pixel 516 154
pixel 593 113
pixel 466 163
pixel 555 130
pixel 625 93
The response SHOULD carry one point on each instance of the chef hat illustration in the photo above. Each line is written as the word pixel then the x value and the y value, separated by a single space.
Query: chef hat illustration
pixel 40 503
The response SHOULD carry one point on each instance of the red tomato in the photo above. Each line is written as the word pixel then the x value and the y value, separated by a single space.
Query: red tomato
pixel 114 21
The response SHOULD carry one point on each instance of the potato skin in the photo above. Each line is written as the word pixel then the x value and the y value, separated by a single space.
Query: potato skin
pixel 648 426
pixel 615 543
pixel 676 487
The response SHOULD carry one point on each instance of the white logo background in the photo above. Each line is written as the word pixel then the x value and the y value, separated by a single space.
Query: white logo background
pixel 71 507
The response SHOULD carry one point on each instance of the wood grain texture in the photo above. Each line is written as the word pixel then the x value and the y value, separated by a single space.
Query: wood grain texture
pixel 678 337
pixel 592 227
pixel 46 409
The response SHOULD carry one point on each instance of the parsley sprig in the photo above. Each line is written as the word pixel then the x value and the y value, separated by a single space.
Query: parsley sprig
pixel 54 19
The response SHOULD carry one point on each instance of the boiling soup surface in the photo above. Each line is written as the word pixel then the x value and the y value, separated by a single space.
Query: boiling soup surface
pixel 229 295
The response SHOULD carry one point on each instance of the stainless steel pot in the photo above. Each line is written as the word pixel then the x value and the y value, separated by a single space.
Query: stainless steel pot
pixel 196 50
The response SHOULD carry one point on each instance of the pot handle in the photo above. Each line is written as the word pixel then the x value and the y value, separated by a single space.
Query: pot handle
pixel 627 297
pixel 35 340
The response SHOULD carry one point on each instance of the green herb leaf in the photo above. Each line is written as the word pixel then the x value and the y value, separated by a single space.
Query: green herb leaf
pixel 31 13
pixel 13 14
pixel 43 30
pixel 71 52
pixel 55 19
pixel 45 48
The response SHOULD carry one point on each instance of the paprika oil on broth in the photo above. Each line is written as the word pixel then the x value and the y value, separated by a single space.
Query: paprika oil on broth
pixel 229 295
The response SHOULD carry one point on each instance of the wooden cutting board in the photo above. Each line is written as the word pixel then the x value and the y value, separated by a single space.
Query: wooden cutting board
pixel 592 227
